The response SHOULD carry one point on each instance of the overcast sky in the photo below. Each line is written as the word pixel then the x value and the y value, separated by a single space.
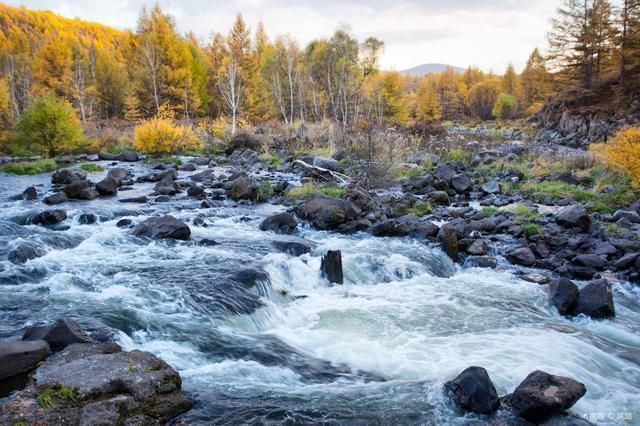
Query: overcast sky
pixel 485 33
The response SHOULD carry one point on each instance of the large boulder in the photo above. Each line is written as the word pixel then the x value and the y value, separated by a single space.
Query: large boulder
pixel 449 236
pixel 445 173
pixel 67 176
pixel 595 300
pixel 281 223
pixel 328 213
pixel 522 256
pixel 563 294
pixel 30 194
pixel 20 357
pixel 163 227
pixel 107 186
pixel 439 197
pixel 461 183
pixel 80 190
pixel 331 267
pixel 243 187
pixel 108 387
pixel 491 187
pixel 474 391
pixel 118 174
pixel 574 216
pixel 542 395
pixel 59 335
pixel 391 228
pixel 129 156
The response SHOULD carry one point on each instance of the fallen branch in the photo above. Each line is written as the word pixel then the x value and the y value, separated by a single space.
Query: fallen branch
pixel 321 173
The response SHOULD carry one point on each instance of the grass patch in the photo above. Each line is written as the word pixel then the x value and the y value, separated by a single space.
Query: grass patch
pixel 91 167
pixel 421 208
pixel 57 395
pixel 490 210
pixel 523 212
pixel 455 155
pixel 31 167
pixel 307 189
pixel 540 190
pixel 531 229
pixel 600 207
pixel 266 190
pixel 272 160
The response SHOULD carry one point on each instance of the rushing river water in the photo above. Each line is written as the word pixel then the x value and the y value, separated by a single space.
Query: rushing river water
pixel 375 350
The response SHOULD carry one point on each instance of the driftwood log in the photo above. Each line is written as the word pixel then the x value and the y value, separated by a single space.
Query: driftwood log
pixel 322 174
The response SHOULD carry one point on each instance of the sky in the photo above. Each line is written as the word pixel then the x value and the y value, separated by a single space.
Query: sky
pixel 489 34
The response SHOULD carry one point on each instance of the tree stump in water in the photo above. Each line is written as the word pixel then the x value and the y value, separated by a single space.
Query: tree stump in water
pixel 331 267
pixel 450 243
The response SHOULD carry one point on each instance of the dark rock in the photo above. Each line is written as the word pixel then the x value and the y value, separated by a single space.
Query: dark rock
pixel 80 190
pixel 590 261
pixel 474 391
pixel 542 395
pixel 57 198
pixel 242 142
pixel 491 187
pixel 630 215
pixel 162 227
pixel 478 248
pixel 328 213
pixel 30 194
pixel 48 217
pixel 461 183
pixel 522 256
pixel 118 174
pixel 20 357
pixel 106 156
pixel 450 242
pixel 188 167
pixel 195 191
pixel 243 187
pixel 124 223
pixel 167 185
pixel 296 247
pixel 439 197
pixel 107 186
pixel 281 223
pixel 129 156
pixel 142 200
pixel 59 335
pixel 595 300
pixel 25 251
pixel 67 176
pixel 207 242
pixel 417 183
pixel 626 261
pixel 574 216
pixel 563 294
pixel 391 228
pixel 331 267
pixel 480 262
pixel 445 173
pixel 87 219
pixel 252 276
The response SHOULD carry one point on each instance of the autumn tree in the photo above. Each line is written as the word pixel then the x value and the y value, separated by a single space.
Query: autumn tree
pixel 482 98
pixel 48 125
pixel 629 37
pixel 392 96
pixel 506 106
pixel 450 95
pixel 427 103
pixel 535 79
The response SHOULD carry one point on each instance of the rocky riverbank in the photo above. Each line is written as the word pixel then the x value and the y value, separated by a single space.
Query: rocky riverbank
pixel 481 212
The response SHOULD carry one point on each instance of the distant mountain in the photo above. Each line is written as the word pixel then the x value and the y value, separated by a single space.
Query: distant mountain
pixel 427 68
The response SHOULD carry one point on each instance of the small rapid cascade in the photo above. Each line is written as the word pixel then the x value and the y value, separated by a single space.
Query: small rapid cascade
pixel 259 336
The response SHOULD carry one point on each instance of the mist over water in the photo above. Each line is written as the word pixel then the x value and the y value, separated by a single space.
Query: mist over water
pixel 375 350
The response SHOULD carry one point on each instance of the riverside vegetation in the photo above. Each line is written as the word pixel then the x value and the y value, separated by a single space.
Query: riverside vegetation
pixel 217 236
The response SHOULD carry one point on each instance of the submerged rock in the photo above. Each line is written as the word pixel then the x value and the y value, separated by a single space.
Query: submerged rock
pixel 162 227
pixel 57 198
pixel 47 217
pixel 542 395
pixel 563 294
pixel 30 194
pixel 474 391
pixel 331 267
pixel 25 251
pixel 281 223
pixel 59 335
pixel 480 262
pixel 296 247
pixel 19 357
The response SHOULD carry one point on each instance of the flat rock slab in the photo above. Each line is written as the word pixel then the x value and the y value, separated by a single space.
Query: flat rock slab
pixel 19 357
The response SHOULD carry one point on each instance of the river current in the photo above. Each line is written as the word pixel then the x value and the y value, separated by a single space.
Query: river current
pixel 377 349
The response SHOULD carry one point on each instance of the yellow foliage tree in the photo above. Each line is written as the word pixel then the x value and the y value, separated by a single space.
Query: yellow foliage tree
pixel 161 136
pixel 622 152
pixel 427 103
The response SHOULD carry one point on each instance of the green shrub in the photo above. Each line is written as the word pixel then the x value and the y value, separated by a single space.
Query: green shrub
pixel 266 190
pixel 522 211
pixel 56 394
pixel 421 208
pixel 31 167
pixel 91 167
pixel 307 189
pixel 531 229
pixel 333 191
pixel 272 160
pixel 490 210
pixel 505 107
pixel 49 125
